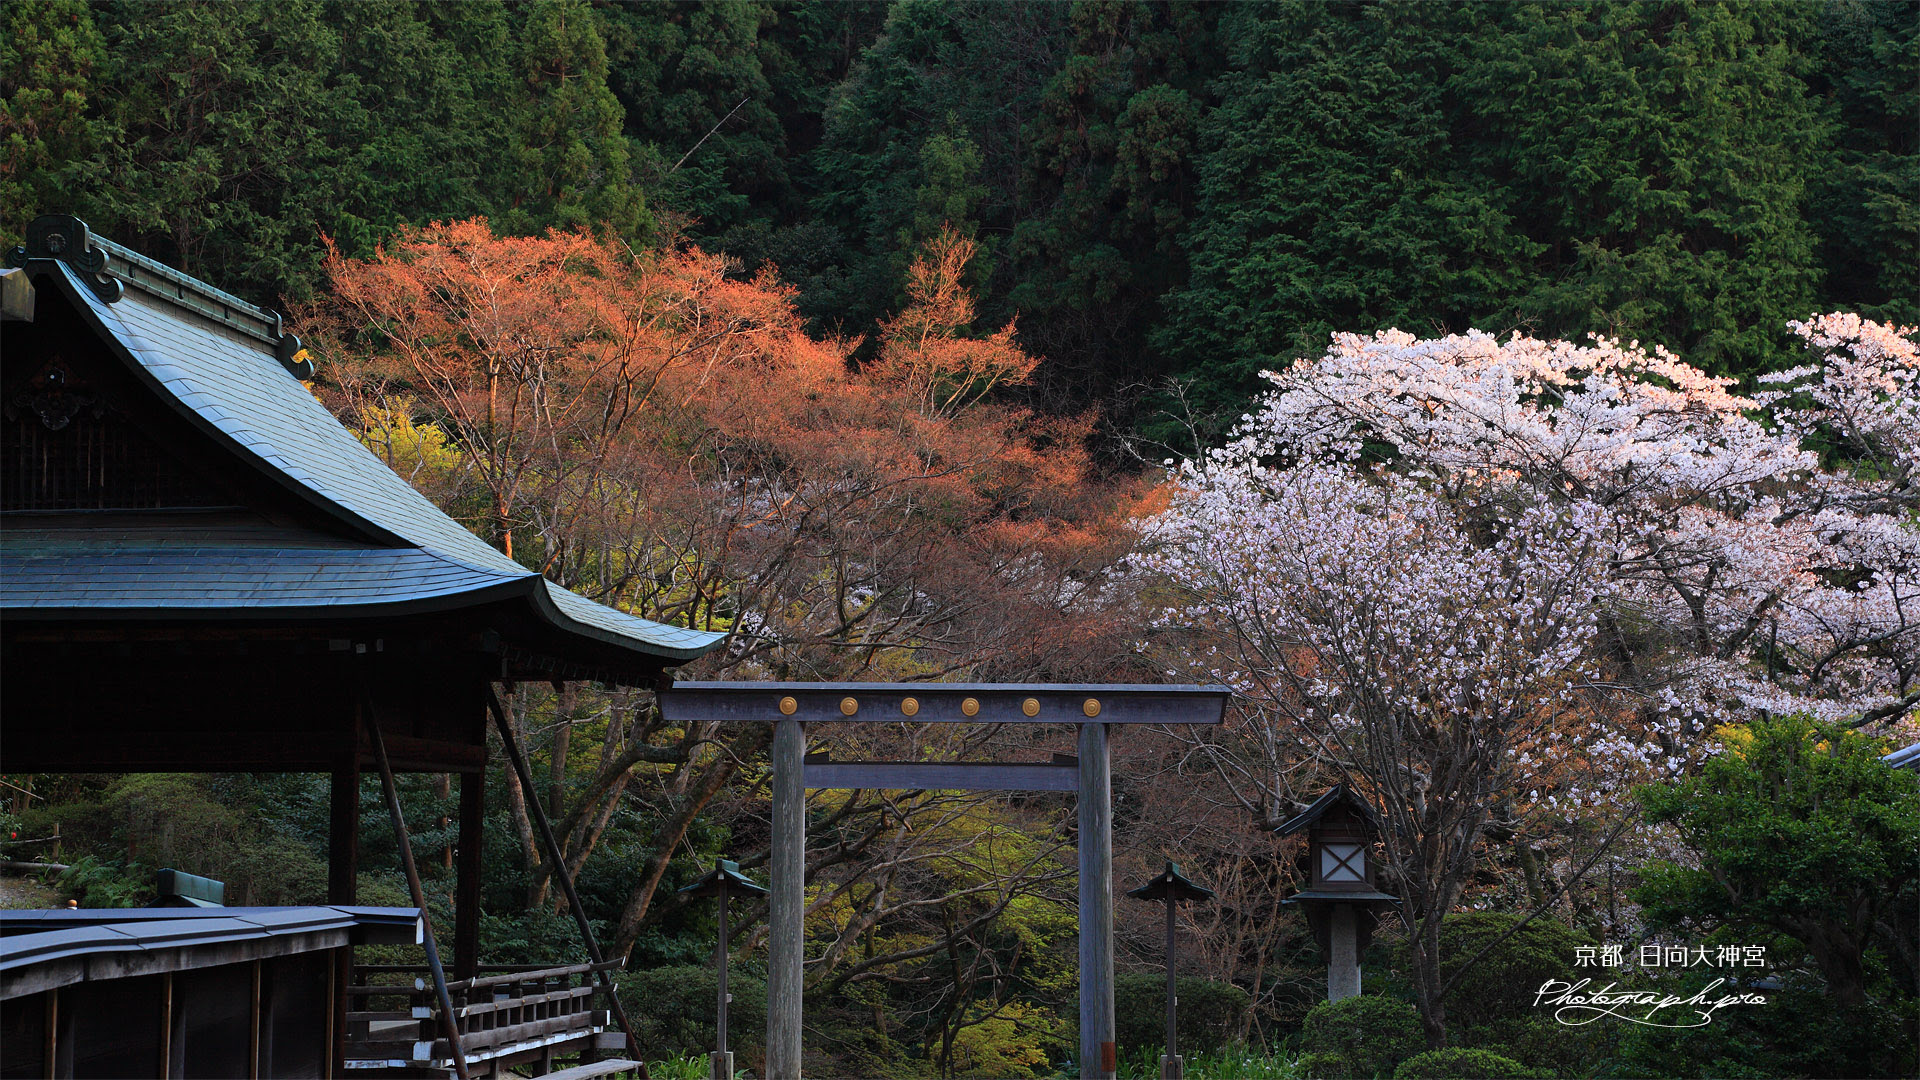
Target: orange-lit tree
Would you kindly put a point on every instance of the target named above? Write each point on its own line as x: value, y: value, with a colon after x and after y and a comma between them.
x: 650, y: 430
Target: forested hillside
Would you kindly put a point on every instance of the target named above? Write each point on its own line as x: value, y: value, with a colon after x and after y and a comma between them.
x: 1158, y: 190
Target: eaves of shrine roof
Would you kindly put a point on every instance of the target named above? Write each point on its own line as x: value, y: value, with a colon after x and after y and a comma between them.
x: 225, y: 366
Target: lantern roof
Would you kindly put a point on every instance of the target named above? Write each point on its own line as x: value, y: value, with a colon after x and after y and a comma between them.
x: 1172, y: 887
x: 725, y: 874
x: 1337, y: 796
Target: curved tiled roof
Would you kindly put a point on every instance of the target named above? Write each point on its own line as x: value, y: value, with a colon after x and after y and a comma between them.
x: 233, y: 386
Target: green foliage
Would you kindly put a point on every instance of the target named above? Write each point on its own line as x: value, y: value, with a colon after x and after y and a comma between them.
x: 50, y: 55
x: 1369, y: 1034
x: 1108, y: 187
x: 694, y: 81
x: 955, y: 73
x: 683, y: 1067
x: 1502, y: 983
x: 1800, y: 829
x: 673, y: 1008
x: 1332, y: 194
x: 1492, y: 1006
x: 1638, y: 170
x: 1798, y: 1032
x: 1323, y: 1065
x: 1233, y: 1062
x: 222, y: 116
x: 1804, y: 838
x: 1866, y: 201
x: 569, y: 156
x: 1663, y: 154
x: 1460, y: 1063
x: 1013, y: 1040
x: 98, y: 883
x: 1209, y: 1014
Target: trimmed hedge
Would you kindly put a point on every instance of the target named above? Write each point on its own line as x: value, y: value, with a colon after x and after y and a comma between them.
x: 1461, y: 1063
x: 1370, y: 1033
x: 1208, y: 1018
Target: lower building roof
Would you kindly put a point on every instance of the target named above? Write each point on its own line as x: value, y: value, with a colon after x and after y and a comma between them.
x: 44, y: 950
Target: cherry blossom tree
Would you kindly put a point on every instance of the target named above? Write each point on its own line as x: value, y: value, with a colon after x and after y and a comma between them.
x: 1485, y: 583
x: 1751, y: 574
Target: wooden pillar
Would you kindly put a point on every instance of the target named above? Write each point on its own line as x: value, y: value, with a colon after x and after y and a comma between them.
x: 343, y: 830
x: 466, y: 898
x: 343, y: 871
x: 786, y: 907
x: 1098, y: 1056
x: 1343, y: 953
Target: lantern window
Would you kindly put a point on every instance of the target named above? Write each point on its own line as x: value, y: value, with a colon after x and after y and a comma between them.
x: 1343, y: 862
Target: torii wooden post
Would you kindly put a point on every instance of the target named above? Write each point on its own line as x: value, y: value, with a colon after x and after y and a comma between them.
x: 790, y: 706
x: 1099, y: 1058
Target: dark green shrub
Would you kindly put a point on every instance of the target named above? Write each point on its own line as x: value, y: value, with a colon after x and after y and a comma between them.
x: 1500, y: 986
x: 672, y: 1009
x: 1461, y: 1063
x: 1801, y: 1031
x: 1209, y: 1014
x: 1371, y: 1033
x: 1540, y: 1044
x: 100, y: 884
x: 1324, y: 1066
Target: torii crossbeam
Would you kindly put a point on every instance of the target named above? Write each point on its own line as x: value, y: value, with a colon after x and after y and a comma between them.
x: 1091, y: 707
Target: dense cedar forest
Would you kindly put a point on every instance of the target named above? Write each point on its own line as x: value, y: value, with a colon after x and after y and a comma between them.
x: 1159, y: 191
x: 919, y: 340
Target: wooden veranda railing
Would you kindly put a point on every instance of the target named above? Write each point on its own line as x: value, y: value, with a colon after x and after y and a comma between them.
x: 392, y: 1020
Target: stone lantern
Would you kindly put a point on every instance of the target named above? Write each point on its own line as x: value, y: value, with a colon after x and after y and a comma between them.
x: 1341, y: 899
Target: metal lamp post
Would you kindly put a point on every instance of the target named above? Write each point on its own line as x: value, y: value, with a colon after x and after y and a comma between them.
x: 723, y: 881
x: 1171, y: 888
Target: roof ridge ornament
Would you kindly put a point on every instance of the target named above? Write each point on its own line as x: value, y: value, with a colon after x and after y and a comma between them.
x: 65, y: 238
x: 108, y: 268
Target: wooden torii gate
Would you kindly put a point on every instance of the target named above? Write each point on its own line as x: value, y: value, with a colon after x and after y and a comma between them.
x: 791, y: 706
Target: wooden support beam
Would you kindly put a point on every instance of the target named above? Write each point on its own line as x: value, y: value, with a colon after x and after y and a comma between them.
x: 554, y: 851
x: 392, y: 793
x: 1170, y: 1064
x: 343, y: 832
x: 957, y: 703
x: 944, y: 775
x: 786, y: 907
x: 1098, y: 1054
x: 343, y: 875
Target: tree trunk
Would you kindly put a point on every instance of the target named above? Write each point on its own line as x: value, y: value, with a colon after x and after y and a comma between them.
x: 557, y: 770
x: 522, y: 816
x: 1839, y: 963
x: 699, y: 795
x: 1426, y: 981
